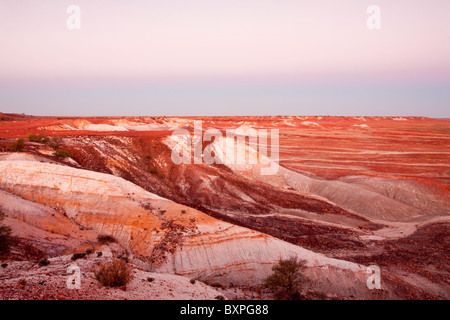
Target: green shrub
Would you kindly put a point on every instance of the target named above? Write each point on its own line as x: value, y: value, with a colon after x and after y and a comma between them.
x: 114, y: 274
x: 152, y: 170
x: 55, y: 142
x: 287, y: 279
x: 18, y: 146
x: 62, y: 153
x: 32, y: 137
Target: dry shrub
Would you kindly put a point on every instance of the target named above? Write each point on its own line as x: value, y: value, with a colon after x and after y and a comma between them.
x: 33, y: 137
x: 105, y: 239
x: 18, y: 145
x: 287, y: 279
x: 113, y: 274
x: 62, y: 153
x: 55, y: 142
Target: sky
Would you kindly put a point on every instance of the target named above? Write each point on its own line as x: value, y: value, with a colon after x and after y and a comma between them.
x: 233, y: 57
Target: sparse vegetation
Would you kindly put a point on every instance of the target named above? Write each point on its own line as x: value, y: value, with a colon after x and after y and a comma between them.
x: 43, y: 262
x: 61, y: 153
x: 152, y: 170
x: 18, y: 145
x: 105, y: 238
x: 55, y: 142
x: 78, y: 255
x: 172, y: 238
x: 40, y: 138
x: 287, y: 279
x: 5, y: 236
x: 114, y: 274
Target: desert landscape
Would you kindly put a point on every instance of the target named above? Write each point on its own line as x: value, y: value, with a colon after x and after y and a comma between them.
x: 348, y: 193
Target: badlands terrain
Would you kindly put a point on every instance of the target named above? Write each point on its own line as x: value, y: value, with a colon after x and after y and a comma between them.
x: 347, y: 193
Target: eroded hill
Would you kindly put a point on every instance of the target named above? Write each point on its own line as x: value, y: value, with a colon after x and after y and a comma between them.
x: 230, y: 223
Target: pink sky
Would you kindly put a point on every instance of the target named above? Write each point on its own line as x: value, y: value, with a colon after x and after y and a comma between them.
x: 145, y: 39
x: 225, y: 57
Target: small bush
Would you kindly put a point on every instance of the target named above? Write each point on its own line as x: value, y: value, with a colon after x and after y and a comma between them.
x: 150, y: 279
x: 62, y: 153
x: 43, y: 262
x: 114, y: 274
x: 5, y: 236
x: 287, y: 279
x: 77, y: 256
x: 55, y: 142
x: 32, y: 137
x: 105, y: 239
x: 152, y: 170
x: 192, y: 281
x: 18, y: 146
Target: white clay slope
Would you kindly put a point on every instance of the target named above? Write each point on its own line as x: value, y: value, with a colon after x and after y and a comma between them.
x: 373, y: 198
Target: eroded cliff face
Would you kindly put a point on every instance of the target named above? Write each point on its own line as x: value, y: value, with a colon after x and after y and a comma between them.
x: 159, y: 234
